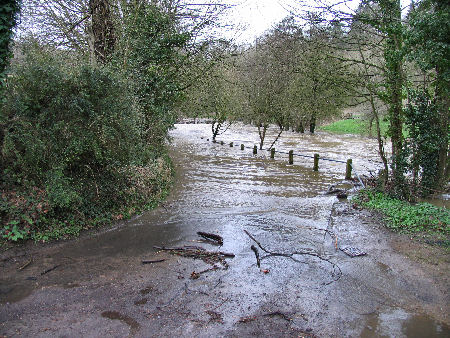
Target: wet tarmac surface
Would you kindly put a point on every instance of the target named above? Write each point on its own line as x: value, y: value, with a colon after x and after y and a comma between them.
x: 98, y: 286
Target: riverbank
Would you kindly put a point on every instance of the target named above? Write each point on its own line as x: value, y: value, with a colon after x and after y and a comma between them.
x: 30, y: 214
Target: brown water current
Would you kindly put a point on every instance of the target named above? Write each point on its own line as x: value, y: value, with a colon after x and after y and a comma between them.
x: 99, y: 286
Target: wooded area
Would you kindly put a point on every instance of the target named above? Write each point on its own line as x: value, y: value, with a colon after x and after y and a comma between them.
x: 390, y: 63
x: 90, y: 89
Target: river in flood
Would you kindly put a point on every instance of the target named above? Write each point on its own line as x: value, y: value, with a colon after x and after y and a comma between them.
x: 225, y: 190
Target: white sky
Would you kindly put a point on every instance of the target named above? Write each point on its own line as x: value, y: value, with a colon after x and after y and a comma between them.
x: 257, y: 16
x: 251, y: 18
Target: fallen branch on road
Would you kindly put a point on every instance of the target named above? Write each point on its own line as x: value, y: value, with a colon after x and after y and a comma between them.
x: 212, y: 237
x: 195, y: 252
x: 290, y: 255
x: 255, y: 250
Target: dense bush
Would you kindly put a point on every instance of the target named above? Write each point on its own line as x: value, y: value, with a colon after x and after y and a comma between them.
x: 72, y: 147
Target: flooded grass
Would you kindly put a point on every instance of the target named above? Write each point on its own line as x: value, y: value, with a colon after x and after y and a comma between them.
x: 405, y: 217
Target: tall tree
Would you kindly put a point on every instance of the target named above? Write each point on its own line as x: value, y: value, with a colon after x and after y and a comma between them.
x: 9, y: 10
x: 428, y: 44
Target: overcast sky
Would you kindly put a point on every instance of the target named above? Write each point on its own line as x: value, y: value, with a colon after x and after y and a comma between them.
x: 257, y: 16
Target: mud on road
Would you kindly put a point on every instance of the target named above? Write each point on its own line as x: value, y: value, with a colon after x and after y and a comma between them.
x: 97, y: 286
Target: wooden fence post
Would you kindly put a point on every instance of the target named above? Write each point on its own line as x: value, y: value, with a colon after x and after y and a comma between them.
x: 291, y: 157
x: 272, y: 153
x: 316, y: 162
x: 348, y: 170
x: 231, y: 144
x: 242, y: 147
x: 255, y: 150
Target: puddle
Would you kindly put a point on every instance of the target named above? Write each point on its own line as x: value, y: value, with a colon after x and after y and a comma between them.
x: 398, y: 323
x: 442, y: 201
x: 114, y: 315
x: 146, y: 291
x: 142, y: 301
x: 12, y: 293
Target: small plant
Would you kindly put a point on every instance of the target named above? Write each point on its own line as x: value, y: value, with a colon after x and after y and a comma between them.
x: 405, y: 217
x: 12, y: 232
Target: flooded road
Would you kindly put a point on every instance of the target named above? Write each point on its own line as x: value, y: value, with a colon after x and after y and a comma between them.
x: 99, y: 286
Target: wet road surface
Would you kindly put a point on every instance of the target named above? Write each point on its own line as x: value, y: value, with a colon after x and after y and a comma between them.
x: 99, y: 287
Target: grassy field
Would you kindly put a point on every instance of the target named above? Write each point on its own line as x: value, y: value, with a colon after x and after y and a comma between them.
x: 353, y: 126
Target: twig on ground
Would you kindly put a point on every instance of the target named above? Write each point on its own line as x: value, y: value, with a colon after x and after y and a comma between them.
x: 195, y: 275
x: 154, y: 261
x: 49, y: 270
x: 26, y: 264
x: 285, y: 316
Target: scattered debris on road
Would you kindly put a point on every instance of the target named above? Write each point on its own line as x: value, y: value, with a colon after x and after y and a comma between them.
x: 353, y: 252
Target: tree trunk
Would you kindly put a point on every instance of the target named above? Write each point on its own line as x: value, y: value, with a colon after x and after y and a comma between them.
x: 262, y: 134
x: 312, y: 124
x: 443, y: 106
x: 301, y: 128
x: 102, y: 29
x: 215, y: 129
x: 381, y: 151
x: 393, y: 54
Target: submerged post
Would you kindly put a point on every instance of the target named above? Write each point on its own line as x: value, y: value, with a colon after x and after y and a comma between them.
x: 221, y: 142
x: 316, y: 162
x: 272, y: 153
x: 255, y: 150
x: 242, y: 147
x: 348, y: 170
x: 291, y: 157
x: 231, y: 144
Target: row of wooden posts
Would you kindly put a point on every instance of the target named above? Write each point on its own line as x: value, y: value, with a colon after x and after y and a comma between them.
x: 348, y: 168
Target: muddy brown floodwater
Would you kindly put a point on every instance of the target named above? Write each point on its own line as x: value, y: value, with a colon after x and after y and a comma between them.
x: 96, y: 286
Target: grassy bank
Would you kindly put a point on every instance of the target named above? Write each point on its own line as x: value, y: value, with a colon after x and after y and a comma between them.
x: 408, y: 218
x: 353, y: 126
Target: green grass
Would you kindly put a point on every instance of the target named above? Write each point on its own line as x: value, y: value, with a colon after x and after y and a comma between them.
x: 404, y: 217
x: 354, y: 126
